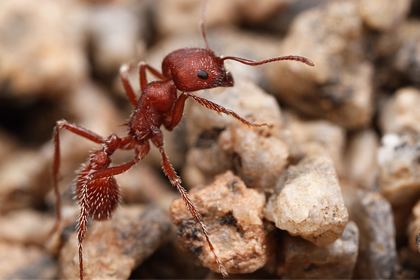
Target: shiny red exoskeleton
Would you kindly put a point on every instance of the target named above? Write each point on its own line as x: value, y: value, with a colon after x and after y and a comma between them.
x: 161, y: 103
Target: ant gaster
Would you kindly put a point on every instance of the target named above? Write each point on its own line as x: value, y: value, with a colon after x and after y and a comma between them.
x: 160, y: 103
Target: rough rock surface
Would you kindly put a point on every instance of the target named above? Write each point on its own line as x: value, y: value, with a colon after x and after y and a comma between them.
x: 414, y: 229
x: 236, y: 231
x: 383, y: 15
x: 399, y: 168
x: 112, y: 249
x: 304, y: 260
x: 362, y: 159
x: 400, y: 114
x: 46, y: 43
x: 309, y: 202
x: 25, y: 262
x: 339, y: 88
x: 377, y: 248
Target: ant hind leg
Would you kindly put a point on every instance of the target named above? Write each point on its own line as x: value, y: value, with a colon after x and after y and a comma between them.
x: 175, y: 180
x: 63, y: 124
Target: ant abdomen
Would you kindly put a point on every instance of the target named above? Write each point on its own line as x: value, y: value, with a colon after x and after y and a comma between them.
x: 103, y: 196
x: 100, y: 197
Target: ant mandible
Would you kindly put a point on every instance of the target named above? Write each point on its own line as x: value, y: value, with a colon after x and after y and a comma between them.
x: 185, y: 70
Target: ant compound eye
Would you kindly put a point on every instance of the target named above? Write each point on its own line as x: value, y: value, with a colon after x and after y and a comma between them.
x: 202, y: 74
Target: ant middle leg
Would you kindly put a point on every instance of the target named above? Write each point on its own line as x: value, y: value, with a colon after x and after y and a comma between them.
x: 222, y: 110
x: 175, y: 181
x: 83, y: 132
x: 142, y: 74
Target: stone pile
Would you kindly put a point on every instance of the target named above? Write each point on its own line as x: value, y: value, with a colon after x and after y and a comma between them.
x: 330, y: 189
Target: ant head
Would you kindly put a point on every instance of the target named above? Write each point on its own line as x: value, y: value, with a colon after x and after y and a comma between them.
x: 195, y: 69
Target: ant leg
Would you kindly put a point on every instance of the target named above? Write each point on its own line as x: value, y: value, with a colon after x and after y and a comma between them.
x: 124, y: 69
x: 157, y: 140
x: 56, y: 163
x: 176, y: 113
x: 141, y: 151
x: 222, y: 110
x: 142, y: 74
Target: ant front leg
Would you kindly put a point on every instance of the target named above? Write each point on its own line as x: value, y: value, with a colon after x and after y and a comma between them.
x: 222, y: 110
x: 56, y: 163
x: 176, y: 113
x: 157, y: 140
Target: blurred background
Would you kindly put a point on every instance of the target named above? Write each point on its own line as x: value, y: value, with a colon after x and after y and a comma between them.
x: 60, y: 59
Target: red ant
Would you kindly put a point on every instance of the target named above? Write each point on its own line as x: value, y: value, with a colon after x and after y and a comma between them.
x: 185, y: 70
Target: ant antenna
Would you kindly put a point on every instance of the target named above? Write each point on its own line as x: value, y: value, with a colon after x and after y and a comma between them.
x: 254, y: 63
x: 203, y: 23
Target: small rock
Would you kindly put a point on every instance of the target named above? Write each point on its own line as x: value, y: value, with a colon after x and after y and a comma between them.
x: 308, y: 202
x: 258, y: 158
x: 205, y: 129
x: 25, y: 262
x: 383, y: 15
x: 362, y: 159
x: 414, y: 229
x: 377, y: 249
x: 117, y: 34
x: 112, y: 249
x: 25, y: 227
x: 400, y: 114
x: 407, y: 57
x: 329, y: 136
x: 186, y: 14
x: 304, y: 260
x: 17, y: 191
x: 233, y: 216
x: 45, y: 38
x: 339, y: 87
x: 399, y: 168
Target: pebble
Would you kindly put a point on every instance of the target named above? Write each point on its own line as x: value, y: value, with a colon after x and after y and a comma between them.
x: 383, y: 15
x: 25, y: 227
x: 407, y: 56
x: 308, y: 202
x: 377, y: 243
x: 303, y: 260
x: 237, y: 231
x: 414, y: 229
x: 112, y: 249
x: 399, y: 168
x: 362, y: 159
x: 328, y: 135
x: 45, y: 39
x: 258, y: 158
x: 400, y: 113
x: 339, y: 87
x: 18, y: 261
